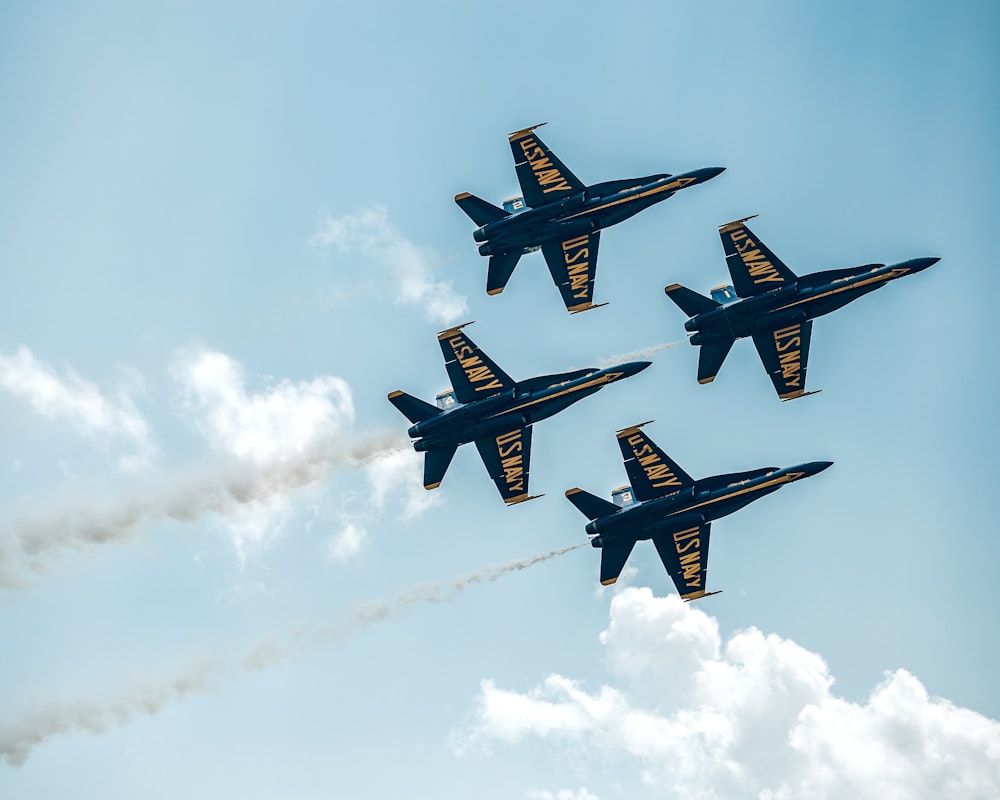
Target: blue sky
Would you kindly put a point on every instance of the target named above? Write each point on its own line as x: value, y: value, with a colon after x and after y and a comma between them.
x: 227, y: 231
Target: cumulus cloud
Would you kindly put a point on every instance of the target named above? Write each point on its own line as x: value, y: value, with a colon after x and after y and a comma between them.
x: 369, y: 232
x: 562, y: 794
x: 752, y: 717
x: 70, y: 398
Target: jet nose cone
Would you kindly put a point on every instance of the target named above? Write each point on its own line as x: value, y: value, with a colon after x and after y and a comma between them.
x: 815, y: 467
x: 632, y: 368
x: 708, y: 173
x: 917, y: 264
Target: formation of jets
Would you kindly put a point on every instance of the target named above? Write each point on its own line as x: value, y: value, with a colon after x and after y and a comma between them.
x: 767, y: 302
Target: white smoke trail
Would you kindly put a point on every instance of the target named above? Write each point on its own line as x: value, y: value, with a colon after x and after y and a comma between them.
x: 43, y: 721
x: 220, y: 489
x: 636, y: 355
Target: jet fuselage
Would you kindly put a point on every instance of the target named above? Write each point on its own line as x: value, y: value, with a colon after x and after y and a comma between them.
x: 708, y: 499
x: 809, y: 297
x: 597, y: 207
x: 526, y: 403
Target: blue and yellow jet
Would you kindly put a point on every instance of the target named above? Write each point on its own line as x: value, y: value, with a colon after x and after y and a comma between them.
x: 673, y: 510
x: 561, y: 215
x: 776, y: 309
x: 494, y: 411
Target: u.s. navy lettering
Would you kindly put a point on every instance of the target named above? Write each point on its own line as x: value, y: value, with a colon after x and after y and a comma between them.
x: 511, y: 447
x: 690, y: 562
x: 761, y: 270
x: 576, y: 255
x: 788, y: 343
x: 472, y: 365
x: 549, y: 178
x: 657, y: 472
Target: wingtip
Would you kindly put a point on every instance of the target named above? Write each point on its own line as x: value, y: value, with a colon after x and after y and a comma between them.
x: 396, y: 393
x: 631, y: 428
x: 609, y: 581
x: 703, y: 381
x: 453, y: 329
x: 524, y: 131
x: 672, y: 288
x: 429, y: 486
x: 735, y: 223
x: 462, y: 196
x: 574, y: 490
x: 493, y: 292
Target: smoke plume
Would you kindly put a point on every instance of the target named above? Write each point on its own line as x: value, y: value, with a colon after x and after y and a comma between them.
x: 636, y: 355
x: 19, y: 737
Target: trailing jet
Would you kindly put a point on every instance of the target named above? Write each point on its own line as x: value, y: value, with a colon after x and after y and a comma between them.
x: 776, y: 309
x: 672, y: 509
x: 494, y: 411
x: 562, y: 215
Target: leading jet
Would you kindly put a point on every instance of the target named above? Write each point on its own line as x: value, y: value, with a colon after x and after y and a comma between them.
x: 673, y: 510
x: 776, y: 309
x: 562, y: 215
x: 494, y: 411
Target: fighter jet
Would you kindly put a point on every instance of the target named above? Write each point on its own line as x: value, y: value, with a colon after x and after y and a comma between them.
x: 777, y: 308
x: 494, y: 411
x: 673, y: 510
x: 562, y: 215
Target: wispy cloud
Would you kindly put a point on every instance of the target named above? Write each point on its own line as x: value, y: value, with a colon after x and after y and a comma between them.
x: 754, y: 716
x: 268, y: 446
x: 21, y: 734
x: 71, y: 399
x: 369, y: 232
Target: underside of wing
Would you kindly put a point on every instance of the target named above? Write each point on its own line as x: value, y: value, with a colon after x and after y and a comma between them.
x: 613, y: 558
x: 784, y: 353
x: 543, y: 177
x: 685, y: 556
x: 506, y: 457
x: 472, y: 373
x: 651, y: 472
x: 573, y: 266
x: 753, y: 267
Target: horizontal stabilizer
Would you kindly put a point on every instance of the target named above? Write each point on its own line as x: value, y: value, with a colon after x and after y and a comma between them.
x: 710, y: 359
x: 690, y: 302
x: 500, y: 269
x: 613, y: 560
x: 436, y: 465
x: 478, y: 210
x: 413, y: 408
x: 591, y: 506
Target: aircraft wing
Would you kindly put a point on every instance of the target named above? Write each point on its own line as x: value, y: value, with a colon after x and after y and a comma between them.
x: 613, y: 560
x: 753, y: 267
x: 506, y: 457
x: 651, y: 472
x: 472, y: 373
x: 685, y: 556
x: 785, y: 352
x: 573, y: 265
x: 543, y: 177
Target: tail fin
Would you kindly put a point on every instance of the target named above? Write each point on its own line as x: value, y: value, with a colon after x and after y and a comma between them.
x: 592, y: 506
x: 478, y: 210
x: 499, y: 272
x: 691, y: 303
x: 436, y: 465
x: 710, y: 360
x: 413, y: 408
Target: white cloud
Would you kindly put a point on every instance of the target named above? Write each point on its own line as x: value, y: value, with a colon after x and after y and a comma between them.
x: 72, y: 399
x: 370, y: 233
x: 398, y: 476
x: 754, y: 717
x: 347, y: 542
